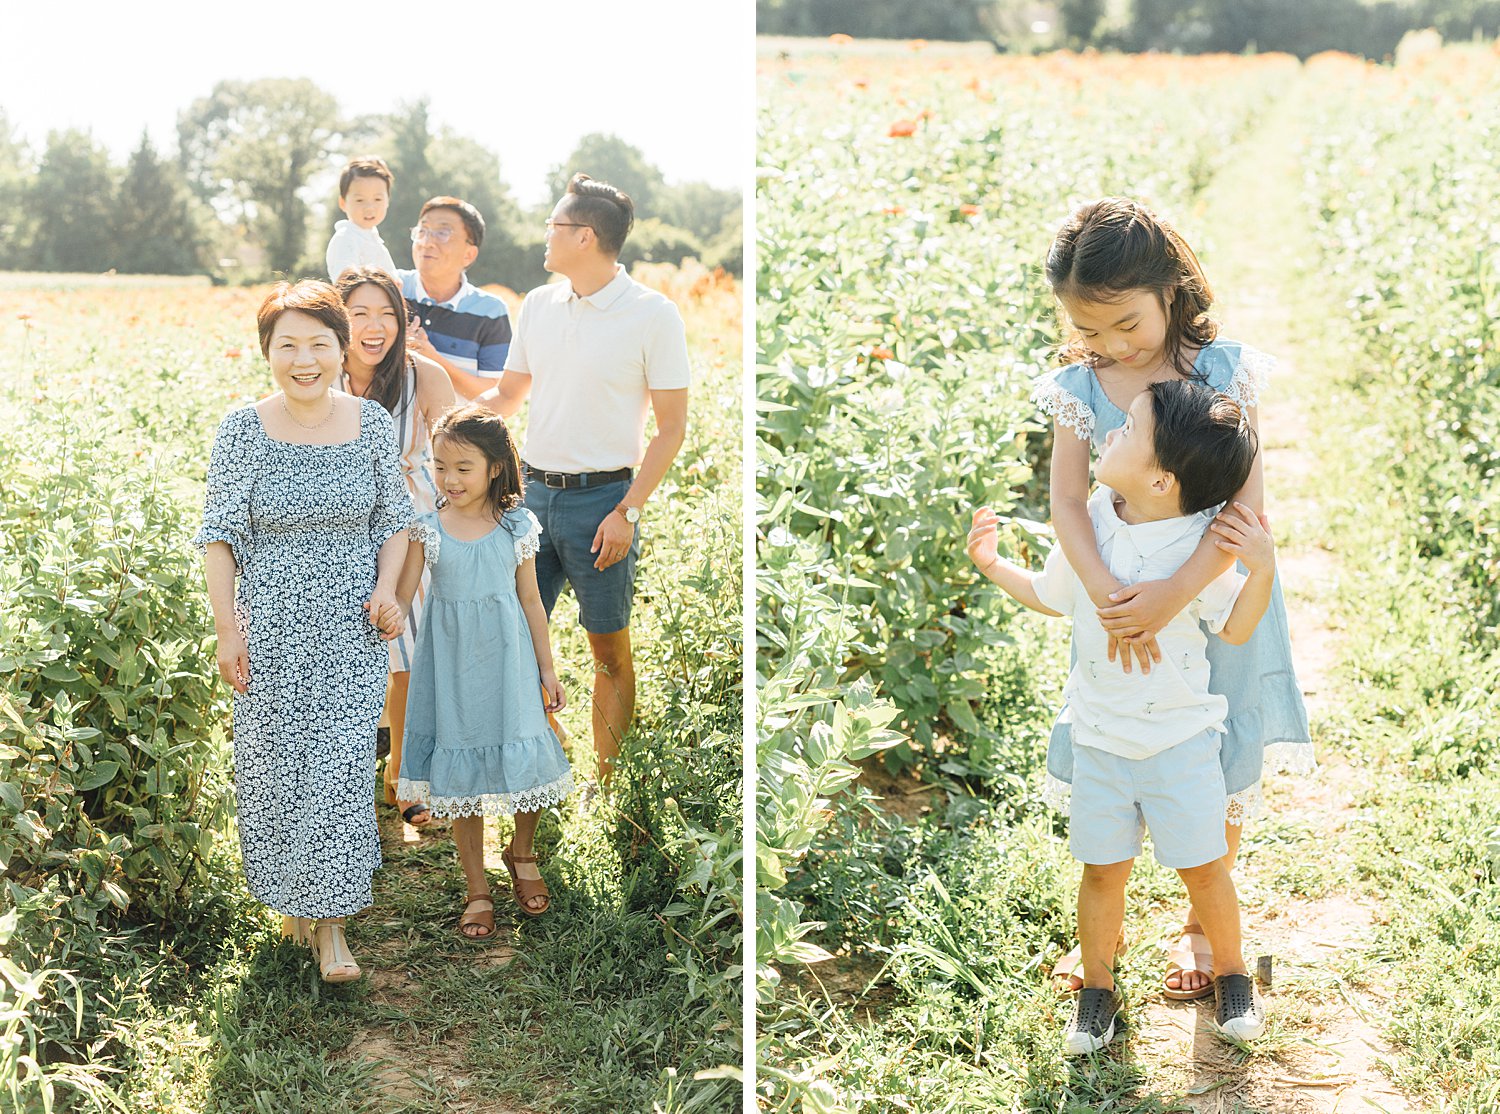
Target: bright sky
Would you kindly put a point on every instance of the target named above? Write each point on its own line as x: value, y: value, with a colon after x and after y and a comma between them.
x: 527, y: 78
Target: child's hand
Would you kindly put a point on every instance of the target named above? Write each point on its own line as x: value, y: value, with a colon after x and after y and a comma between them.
x: 984, y: 538
x: 1246, y: 535
x: 553, y: 697
x: 385, y: 614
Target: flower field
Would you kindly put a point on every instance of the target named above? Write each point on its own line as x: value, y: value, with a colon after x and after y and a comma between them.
x: 138, y: 975
x: 913, y: 888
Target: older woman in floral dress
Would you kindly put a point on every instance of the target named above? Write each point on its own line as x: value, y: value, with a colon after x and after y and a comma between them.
x: 304, y: 526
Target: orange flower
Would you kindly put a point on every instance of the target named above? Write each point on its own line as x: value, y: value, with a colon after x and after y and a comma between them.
x: 879, y: 353
x: 893, y: 210
x: 969, y: 210
x: 840, y: 39
x: 903, y: 128
x: 232, y: 353
x: 23, y: 316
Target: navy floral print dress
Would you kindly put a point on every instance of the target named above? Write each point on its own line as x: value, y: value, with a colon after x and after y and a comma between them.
x: 305, y: 523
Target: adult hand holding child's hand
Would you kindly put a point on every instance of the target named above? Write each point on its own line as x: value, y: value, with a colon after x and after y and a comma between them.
x: 1247, y: 535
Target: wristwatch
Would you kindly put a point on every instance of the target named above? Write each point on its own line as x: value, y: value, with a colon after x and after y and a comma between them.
x: 632, y: 514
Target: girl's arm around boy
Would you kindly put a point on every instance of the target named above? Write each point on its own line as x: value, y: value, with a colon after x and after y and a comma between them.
x: 1245, y: 535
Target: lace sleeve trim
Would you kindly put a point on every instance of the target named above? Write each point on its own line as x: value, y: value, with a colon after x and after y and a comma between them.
x: 529, y: 543
x: 1249, y: 378
x: 1066, y: 408
x: 430, y: 538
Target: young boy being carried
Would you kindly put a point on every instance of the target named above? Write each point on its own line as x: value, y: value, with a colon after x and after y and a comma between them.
x: 1146, y: 747
x: 364, y: 196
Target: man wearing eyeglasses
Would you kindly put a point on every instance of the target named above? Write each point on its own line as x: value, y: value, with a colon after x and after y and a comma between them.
x: 463, y: 328
x: 595, y: 354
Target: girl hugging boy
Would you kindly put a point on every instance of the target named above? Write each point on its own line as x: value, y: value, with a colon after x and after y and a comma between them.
x: 1146, y: 747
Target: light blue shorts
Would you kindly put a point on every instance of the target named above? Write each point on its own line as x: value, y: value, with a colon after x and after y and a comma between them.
x: 1178, y: 795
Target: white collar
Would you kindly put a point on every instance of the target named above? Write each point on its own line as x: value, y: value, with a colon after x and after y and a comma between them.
x: 605, y: 296
x: 1147, y: 537
x: 464, y: 286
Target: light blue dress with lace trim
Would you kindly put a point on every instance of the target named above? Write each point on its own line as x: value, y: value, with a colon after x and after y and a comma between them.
x: 477, y: 738
x: 1267, y: 722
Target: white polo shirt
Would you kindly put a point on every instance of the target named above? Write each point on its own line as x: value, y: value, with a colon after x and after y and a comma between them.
x: 594, y: 362
x: 1136, y: 715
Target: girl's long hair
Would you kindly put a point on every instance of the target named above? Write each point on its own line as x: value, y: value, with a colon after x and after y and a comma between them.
x: 486, y: 431
x: 1113, y: 246
x: 388, y: 384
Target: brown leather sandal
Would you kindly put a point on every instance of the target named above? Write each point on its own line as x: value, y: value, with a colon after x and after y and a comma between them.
x: 1189, y: 952
x: 526, y: 890
x: 480, y: 918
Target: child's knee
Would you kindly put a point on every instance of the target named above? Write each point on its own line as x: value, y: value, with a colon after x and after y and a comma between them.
x: 1210, y: 873
x: 1107, y: 874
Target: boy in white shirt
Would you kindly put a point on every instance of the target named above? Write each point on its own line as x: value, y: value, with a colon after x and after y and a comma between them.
x: 1146, y: 746
x: 364, y: 196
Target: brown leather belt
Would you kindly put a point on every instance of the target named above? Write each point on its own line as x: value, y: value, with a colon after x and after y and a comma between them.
x: 575, y: 479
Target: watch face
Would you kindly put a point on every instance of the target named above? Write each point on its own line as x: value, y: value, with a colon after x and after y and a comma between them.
x: 632, y: 515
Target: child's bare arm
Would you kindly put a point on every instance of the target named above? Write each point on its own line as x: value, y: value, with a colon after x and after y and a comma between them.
x: 983, y: 551
x: 541, y: 638
x: 1070, y: 514
x: 1244, y: 535
x: 411, y: 573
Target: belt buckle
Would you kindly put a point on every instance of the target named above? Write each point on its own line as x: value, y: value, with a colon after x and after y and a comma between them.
x: 562, y: 479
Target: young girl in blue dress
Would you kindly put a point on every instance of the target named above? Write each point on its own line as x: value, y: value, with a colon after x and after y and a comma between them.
x: 477, y: 738
x: 1138, y: 303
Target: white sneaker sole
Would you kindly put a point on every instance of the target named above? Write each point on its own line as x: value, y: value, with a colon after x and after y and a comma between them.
x: 1241, y: 1028
x: 1081, y: 1044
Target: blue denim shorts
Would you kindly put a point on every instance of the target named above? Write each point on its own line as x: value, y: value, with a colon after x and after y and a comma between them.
x: 570, y: 518
x: 1176, y: 795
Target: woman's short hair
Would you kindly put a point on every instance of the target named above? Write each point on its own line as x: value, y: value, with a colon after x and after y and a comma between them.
x: 314, y: 298
x: 604, y: 208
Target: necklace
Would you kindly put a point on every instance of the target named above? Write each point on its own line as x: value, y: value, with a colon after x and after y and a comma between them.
x: 332, y: 406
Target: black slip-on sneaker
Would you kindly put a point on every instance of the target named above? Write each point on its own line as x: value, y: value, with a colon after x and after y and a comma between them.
x: 1093, y: 1024
x: 1239, y: 1015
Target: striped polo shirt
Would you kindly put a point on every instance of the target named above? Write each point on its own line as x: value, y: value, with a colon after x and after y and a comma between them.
x: 471, y: 329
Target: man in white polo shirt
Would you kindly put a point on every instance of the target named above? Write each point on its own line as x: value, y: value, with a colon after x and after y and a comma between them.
x: 594, y: 353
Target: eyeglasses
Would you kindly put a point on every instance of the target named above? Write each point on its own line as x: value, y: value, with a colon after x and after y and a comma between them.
x: 436, y: 235
x: 565, y: 224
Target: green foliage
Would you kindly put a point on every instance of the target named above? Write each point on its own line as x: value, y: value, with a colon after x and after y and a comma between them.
x: 651, y: 241
x: 70, y: 205
x: 15, y: 168
x: 252, y: 145
x: 157, y: 226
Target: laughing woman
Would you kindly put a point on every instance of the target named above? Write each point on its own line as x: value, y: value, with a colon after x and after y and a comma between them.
x: 307, y: 508
x: 415, y: 392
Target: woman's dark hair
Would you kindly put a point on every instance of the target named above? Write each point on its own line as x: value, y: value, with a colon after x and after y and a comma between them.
x: 1113, y: 246
x: 1204, y: 439
x: 314, y: 298
x: 388, y: 384
x: 604, y: 208
x: 486, y: 431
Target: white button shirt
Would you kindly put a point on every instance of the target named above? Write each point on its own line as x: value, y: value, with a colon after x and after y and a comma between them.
x: 353, y: 246
x: 1136, y: 715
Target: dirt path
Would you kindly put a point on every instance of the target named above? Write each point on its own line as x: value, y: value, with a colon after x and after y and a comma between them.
x: 1322, y: 1053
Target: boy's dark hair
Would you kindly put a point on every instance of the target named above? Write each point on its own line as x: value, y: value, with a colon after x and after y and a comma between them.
x: 366, y: 166
x: 1204, y: 439
x: 604, y: 208
x: 314, y: 298
x: 473, y: 222
x: 486, y: 431
x: 1113, y: 246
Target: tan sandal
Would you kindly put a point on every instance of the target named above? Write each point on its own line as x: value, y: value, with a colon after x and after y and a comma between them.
x: 335, y: 963
x: 481, y: 918
x: 526, y: 890
x: 1190, y: 952
x: 1070, y: 966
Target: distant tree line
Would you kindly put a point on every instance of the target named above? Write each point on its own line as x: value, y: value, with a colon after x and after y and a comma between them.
x: 1371, y: 28
x: 251, y: 192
